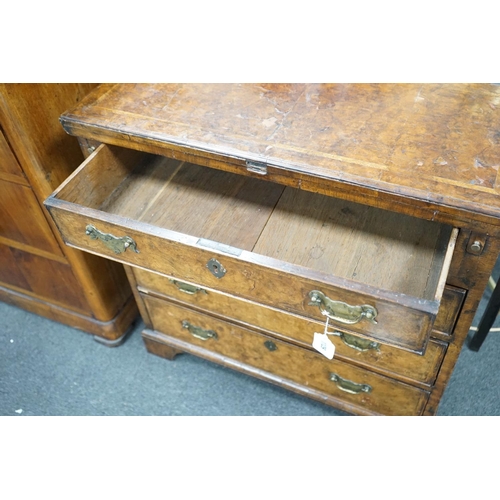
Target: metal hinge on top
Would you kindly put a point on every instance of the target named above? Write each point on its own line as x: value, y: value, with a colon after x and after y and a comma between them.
x: 256, y: 168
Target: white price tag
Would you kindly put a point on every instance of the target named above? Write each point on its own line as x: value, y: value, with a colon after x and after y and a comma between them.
x: 323, y: 345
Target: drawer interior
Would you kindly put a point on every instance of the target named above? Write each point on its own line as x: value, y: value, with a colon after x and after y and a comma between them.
x: 386, y: 250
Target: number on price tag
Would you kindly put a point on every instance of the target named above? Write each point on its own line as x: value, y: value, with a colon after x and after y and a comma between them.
x: 323, y: 345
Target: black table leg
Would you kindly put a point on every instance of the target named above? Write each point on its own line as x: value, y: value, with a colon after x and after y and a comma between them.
x: 489, y: 316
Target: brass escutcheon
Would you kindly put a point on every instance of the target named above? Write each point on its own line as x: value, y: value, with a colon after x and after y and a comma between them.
x: 340, y: 311
x: 114, y: 243
x: 216, y: 268
x: 270, y: 345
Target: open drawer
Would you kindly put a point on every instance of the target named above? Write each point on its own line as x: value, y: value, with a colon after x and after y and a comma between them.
x: 378, y: 273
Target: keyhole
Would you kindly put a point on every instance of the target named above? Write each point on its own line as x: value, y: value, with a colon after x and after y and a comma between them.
x: 216, y: 268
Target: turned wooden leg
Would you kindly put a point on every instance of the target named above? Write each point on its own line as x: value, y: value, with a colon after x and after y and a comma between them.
x: 159, y: 348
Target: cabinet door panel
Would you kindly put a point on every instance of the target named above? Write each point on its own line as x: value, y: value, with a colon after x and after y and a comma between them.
x: 22, y: 219
x: 10, y: 273
x: 9, y: 167
x: 39, y: 277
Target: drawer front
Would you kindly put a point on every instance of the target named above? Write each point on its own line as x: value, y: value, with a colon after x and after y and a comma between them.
x: 451, y: 304
x: 195, y: 294
x: 246, y: 275
x: 378, y: 357
x: 158, y: 214
x: 339, y: 383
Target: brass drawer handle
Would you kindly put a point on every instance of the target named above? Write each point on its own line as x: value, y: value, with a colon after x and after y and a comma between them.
x: 348, y: 385
x: 356, y: 343
x: 118, y: 245
x: 340, y: 311
x: 198, y: 332
x: 186, y: 287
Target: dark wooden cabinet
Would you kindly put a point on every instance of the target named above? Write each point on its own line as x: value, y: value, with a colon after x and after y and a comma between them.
x: 37, y: 271
x: 252, y: 218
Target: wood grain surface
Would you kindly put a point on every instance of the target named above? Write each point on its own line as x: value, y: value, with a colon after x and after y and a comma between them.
x: 381, y: 358
x: 438, y: 144
x: 238, y: 208
x: 37, y: 271
x: 245, y: 349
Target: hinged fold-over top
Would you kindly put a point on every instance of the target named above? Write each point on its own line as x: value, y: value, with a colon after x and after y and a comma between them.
x: 437, y: 144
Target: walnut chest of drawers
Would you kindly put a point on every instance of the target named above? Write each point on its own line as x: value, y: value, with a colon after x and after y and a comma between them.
x: 253, y: 218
